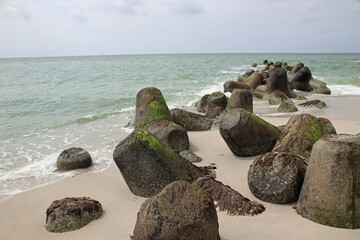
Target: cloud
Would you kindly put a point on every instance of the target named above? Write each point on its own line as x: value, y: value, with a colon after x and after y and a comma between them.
x: 78, y: 16
x: 188, y: 8
x: 10, y: 9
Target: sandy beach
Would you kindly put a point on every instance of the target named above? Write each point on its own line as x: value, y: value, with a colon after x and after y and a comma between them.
x: 23, y: 216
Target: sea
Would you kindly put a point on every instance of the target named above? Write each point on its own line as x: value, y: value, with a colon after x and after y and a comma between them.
x: 50, y: 104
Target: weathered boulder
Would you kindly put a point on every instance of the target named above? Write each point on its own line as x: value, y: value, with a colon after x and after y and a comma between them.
x: 315, y: 83
x: 214, y: 112
x: 287, y: 107
x: 261, y: 89
x: 181, y: 211
x: 73, y: 158
x: 170, y: 133
x: 314, y: 103
x: 241, y: 99
x: 301, y: 79
x: 242, y: 78
x: 327, y: 126
x: 249, y: 72
x: 297, y: 67
x: 201, y: 106
x: 190, y: 156
x: 323, y: 89
x: 278, y: 64
x: 191, y: 121
x: 277, y: 97
x: 246, y: 134
x: 255, y: 80
x: 216, y: 99
x: 277, y: 177
x: 229, y: 86
x: 258, y: 94
x: 265, y: 62
x: 150, y: 106
x: 331, y: 189
x: 254, y: 65
x: 148, y: 165
x: 70, y: 214
x: 299, y: 135
x: 278, y: 81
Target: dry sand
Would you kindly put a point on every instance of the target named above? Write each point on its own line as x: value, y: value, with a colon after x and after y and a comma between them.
x: 23, y: 216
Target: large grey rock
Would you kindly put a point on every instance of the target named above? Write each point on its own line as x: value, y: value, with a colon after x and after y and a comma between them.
x: 277, y: 97
x: 301, y: 79
x: 277, y: 177
x: 331, y: 189
x: 278, y: 81
x: 241, y: 99
x: 255, y: 80
x: 229, y: 86
x: 201, y: 107
x: 70, y: 214
x: 181, y: 211
x: 246, y: 134
x: 191, y: 121
x: 150, y: 107
x: 170, y: 133
x: 73, y: 158
x: 216, y: 99
x: 300, y: 134
x: 148, y: 165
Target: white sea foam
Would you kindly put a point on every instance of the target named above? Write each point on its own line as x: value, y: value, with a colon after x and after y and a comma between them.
x: 339, y: 90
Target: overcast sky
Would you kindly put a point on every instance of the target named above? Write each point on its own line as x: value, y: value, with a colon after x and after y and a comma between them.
x: 110, y: 27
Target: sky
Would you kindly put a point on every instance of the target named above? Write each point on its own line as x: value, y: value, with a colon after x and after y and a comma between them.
x: 33, y: 28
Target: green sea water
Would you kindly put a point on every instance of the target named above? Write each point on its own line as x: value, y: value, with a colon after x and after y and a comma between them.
x: 50, y: 104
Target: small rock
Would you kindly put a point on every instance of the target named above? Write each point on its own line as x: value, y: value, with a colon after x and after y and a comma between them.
x: 190, y: 156
x: 73, y: 158
x: 314, y: 103
x: 287, y: 107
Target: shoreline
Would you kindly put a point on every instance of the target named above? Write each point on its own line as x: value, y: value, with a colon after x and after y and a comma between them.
x: 23, y: 215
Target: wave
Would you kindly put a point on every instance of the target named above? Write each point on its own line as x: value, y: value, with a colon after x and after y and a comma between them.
x: 339, y: 90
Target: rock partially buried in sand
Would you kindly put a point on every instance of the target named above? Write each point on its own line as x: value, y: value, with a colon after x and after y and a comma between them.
x: 181, y: 211
x: 148, y: 165
x: 314, y: 103
x: 70, y: 214
x: 331, y: 189
x: 287, y: 107
x: 73, y: 158
x: 277, y: 177
x: 246, y: 134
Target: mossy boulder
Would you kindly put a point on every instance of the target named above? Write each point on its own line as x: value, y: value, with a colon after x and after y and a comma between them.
x: 229, y: 86
x: 170, y: 133
x: 148, y: 165
x: 323, y: 89
x: 331, y: 189
x: 300, y: 134
x: 241, y: 99
x: 150, y: 107
x: 73, y: 158
x: 70, y: 214
x: 191, y: 121
x: 246, y: 134
x: 181, y: 211
x: 277, y: 177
